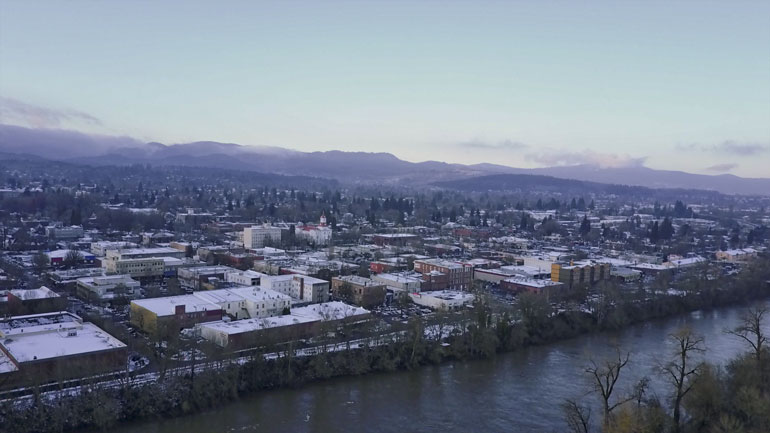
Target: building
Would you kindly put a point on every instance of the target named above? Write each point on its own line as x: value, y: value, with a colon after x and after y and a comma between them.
x: 157, y: 238
x: 443, y: 300
x: 248, y: 302
x: 584, y: 272
x: 737, y: 256
x: 172, y: 313
x: 141, y: 253
x: 149, y: 267
x: 31, y: 301
x: 309, y: 289
x: 302, y: 322
x: 394, y: 239
x: 361, y: 291
x: 100, y: 248
x: 459, y: 276
x: 525, y: 284
x: 202, y: 277
x: 279, y: 283
x: 316, y: 235
x: 244, y: 278
x: 103, y: 288
x: 59, y: 232
x: 261, y: 236
x: 408, y: 282
x: 57, y: 345
x: 58, y: 257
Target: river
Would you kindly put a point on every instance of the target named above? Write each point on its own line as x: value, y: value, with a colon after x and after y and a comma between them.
x: 515, y: 392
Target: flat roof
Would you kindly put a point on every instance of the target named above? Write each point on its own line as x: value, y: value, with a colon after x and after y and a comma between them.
x: 531, y: 282
x: 326, y: 311
x: 45, y: 336
x: 166, y: 306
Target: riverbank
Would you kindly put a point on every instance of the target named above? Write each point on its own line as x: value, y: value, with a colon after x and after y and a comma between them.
x: 486, y: 336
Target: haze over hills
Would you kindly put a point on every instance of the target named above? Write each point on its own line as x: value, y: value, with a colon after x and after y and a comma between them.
x: 362, y: 167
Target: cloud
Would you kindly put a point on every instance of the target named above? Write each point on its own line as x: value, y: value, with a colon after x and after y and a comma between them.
x: 486, y: 145
x: 554, y: 157
x: 729, y: 147
x: 722, y: 168
x: 15, y: 111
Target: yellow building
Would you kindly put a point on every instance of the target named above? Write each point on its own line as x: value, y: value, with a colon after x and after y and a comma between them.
x: 584, y: 272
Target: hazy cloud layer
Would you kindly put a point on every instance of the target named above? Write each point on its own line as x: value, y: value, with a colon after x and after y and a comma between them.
x: 487, y: 145
x: 722, y: 168
x: 15, y: 111
x: 554, y: 157
x: 729, y: 147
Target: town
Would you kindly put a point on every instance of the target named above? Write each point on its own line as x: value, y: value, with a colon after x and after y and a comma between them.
x: 141, y: 278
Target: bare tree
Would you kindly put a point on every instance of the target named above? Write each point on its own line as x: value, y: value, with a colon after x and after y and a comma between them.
x: 683, y: 371
x: 605, y: 376
x: 578, y: 417
x: 750, y: 330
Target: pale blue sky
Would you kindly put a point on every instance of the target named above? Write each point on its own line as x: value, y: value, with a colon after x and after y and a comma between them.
x: 677, y: 85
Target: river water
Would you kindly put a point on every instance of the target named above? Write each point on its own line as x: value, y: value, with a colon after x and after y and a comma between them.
x: 515, y: 392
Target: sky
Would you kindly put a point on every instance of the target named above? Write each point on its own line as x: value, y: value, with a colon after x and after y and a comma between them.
x: 679, y: 85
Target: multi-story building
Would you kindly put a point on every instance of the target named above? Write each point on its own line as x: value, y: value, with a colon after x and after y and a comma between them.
x: 141, y: 253
x: 244, y: 278
x: 197, y: 277
x: 361, y: 291
x: 408, y: 282
x: 172, y: 313
x: 104, y: 288
x: 309, y: 289
x: 150, y: 267
x: 64, y: 232
x: 584, y: 272
x: 248, y: 302
x: 315, y: 234
x: 260, y: 236
x: 187, y: 310
x: 459, y: 275
x: 279, y: 283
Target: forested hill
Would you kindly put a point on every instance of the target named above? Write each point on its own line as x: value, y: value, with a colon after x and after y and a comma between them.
x: 546, y: 184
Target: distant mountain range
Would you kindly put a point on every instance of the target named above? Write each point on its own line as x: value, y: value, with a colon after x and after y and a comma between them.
x: 358, y: 167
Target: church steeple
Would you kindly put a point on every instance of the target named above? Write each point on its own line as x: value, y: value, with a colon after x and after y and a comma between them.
x: 323, y: 218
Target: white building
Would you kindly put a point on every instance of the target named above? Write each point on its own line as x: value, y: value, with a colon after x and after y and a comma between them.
x: 104, y: 287
x: 245, y: 278
x: 445, y: 300
x: 247, y: 302
x: 242, y: 333
x: 309, y: 289
x: 279, y: 283
x: 259, y: 236
x: 405, y: 282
